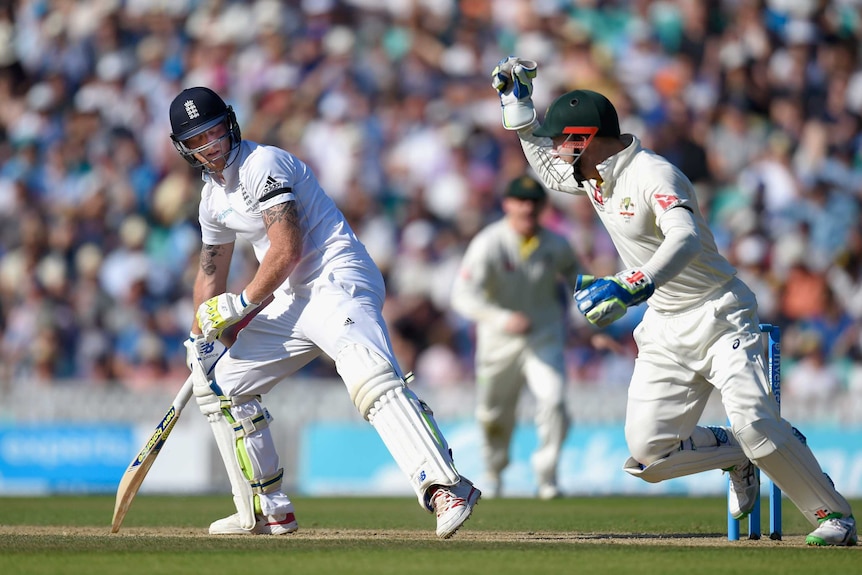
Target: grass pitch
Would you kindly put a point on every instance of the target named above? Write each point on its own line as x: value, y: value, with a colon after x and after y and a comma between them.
x: 167, y: 535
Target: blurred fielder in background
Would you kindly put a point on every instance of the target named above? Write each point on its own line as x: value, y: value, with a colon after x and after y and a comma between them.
x: 328, y: 297
x: 514, y: 283
x: 701, y: 328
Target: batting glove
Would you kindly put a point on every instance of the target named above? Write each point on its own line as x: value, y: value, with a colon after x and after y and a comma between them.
x: 222, y: 311
x: 605, y: 300
x: 205, y: 353
x: 513, y: 80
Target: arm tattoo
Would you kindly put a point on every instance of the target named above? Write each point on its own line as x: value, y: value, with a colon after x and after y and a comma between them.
x: 285, y: 212
x: 208, y: 255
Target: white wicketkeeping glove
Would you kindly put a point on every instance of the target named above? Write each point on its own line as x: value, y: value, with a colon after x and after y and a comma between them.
x: 222, y: 311
x: 206, y: 353
x: 513, y: 80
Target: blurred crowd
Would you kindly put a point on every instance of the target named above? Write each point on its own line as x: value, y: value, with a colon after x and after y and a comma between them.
x: 758, y: 102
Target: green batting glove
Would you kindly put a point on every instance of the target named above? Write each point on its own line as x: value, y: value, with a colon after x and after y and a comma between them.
x: 222, y: 311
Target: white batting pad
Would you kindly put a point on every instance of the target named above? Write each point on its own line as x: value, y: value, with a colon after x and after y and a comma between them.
x: 402, y: 420
x: 408, y: 429
x: 226, y: 440
x: 366, y: 374
x: 789, y: 462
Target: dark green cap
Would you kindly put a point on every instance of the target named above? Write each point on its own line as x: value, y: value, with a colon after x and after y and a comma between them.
x: 581, y: 109
x: 525, y: 188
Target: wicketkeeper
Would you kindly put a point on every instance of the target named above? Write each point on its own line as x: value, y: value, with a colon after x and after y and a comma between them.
x: 700, y: 330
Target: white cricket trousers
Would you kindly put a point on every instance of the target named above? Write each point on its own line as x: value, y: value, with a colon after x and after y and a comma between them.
x: 343, y: 309
x: 718, y: 344
x: 539, y: 364
x: 682, y: 357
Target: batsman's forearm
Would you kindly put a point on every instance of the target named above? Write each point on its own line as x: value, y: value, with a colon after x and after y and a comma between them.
x: 284, y: 231
x: 211, y: 279
x: 273, y: 271
x: 206, y: 286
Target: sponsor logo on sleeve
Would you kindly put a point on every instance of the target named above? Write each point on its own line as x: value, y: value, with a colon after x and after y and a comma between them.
x: 271, y: 185
x: 222, y: 215
x: 667, y: 201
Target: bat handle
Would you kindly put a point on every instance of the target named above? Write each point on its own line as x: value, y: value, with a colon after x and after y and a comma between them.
x: 227, y: 338
x: 184, y: 394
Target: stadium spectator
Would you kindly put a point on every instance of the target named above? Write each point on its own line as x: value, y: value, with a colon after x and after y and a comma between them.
x: 771, y: 91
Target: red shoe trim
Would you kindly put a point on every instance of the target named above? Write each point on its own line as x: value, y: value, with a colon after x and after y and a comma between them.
x: 290, y: 518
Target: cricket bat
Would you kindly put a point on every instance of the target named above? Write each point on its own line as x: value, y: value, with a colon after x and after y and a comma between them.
x: 137, y: 470
x: 140, y: 465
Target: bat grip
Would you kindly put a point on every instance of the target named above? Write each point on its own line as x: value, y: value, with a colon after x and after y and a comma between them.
x: 184, y: 394
x: 227, y: 338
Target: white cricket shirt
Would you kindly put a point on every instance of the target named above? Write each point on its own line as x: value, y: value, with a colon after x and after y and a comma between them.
x: 638, y: 187
x: 265, y: 176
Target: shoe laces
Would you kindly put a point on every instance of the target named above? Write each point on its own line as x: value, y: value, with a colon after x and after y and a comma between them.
x: 742, y: 476
x: 833, y: 519
x: 444, y: 500
x: 837, y: 522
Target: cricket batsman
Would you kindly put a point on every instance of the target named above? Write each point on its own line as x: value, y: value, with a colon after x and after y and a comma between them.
x: 327, y: 299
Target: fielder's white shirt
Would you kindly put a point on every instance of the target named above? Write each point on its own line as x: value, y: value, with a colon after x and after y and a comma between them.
x: 638, y: 188
x: 501, y: 273
x: 265, y: 176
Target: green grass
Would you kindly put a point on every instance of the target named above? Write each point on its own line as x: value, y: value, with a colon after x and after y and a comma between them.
x: 655, y: 535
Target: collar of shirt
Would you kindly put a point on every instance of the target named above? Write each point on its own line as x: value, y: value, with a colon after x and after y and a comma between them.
x: 525, y: 246
x: 528, y: 246
x: 611, y: 168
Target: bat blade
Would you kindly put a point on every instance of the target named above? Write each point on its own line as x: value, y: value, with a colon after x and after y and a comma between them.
x: 140, y: 465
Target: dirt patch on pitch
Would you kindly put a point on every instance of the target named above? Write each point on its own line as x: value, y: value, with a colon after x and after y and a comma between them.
x: 538, y: 537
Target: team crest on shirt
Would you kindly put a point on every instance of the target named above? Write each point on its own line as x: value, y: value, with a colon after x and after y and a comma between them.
x: 627, y: 209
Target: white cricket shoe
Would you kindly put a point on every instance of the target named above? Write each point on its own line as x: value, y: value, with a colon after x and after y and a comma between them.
x: 549, y: 491
x: 266, y: 525
x: 453, y: 505
x: 834, y: 531
x: 743, y: 489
